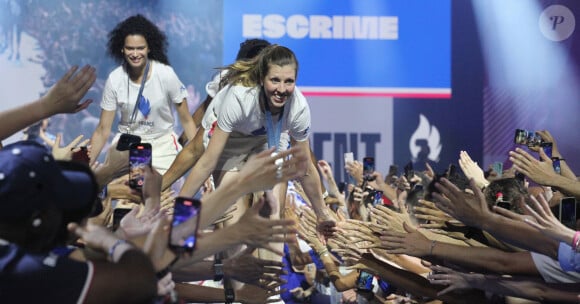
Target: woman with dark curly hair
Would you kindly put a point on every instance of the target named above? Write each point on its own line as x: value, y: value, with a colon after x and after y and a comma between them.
x: 141, y: 48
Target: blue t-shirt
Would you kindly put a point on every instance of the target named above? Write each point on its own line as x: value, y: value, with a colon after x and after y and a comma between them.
x: 37, y: 278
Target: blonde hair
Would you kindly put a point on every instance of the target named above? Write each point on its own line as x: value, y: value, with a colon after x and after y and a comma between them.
x: 250, y: 72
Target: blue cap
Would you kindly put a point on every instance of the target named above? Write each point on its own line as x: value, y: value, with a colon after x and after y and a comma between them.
x: 31, y: 180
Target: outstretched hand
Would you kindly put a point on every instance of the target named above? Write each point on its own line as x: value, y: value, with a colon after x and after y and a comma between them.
x: 261, y: 172
x: 246, y: 268
x: 546, y: 222
x: 258, y: 232
x: 471, y: 209
x: 65, y: 95
x: 65, y: 153
x: 472, y: 170
x: 541, y: 172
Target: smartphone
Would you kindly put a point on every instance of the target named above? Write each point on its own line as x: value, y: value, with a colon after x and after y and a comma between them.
x: 505, y: 205
x: 184, y: 225
x: 349, y: 157
x: 126, y: 140
x: 364, y: 281
x: 409, y: 172
x: 528, y: 138
x: 378, y: 198
x: 567, y: 212
x: 81, y: 156
x: 368, y: 168
x: 498, y: 168
x: 139, y: 158
x: 393, y: 170
x: 118, y: 215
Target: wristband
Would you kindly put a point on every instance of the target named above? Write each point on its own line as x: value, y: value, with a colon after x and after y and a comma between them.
x: 229, y: 292
x: 576, y: 241
x: 558, y: 158
x: 104, y: 193
x: 218, y: 268
x: 112, y: 249
x: 432, y: 246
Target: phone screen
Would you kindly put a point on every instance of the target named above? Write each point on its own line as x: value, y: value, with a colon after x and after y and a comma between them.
x: 184, y: 224
x: 498, y: 168
x: 139, y: 158
x: 364, y: 281
x: 368, y: 167
x: 349, y: 157
x: 378, y: 199
x: 505, y: 205
x: 82, y: 155
x: 118, y: 215
x: 409, y: 172
x: 568, y: 212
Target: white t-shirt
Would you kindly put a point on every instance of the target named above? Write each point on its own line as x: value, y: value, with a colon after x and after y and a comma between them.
x: 161, y: 90
x: 551, y: 271
x: 237, y: 109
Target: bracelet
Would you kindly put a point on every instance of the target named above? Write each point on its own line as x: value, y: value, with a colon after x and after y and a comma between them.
x: 576, y: 241
x: 557, y: 158
x: 432, y: 246
x: 112, y: 249
x: 218, y: 268
x: 104, y: 193
x: 230, y: 295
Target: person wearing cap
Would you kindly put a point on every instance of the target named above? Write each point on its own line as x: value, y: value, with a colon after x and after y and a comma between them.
x: 38, y: 198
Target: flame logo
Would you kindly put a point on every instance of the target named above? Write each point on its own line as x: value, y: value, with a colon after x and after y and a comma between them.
x: 428, y: 134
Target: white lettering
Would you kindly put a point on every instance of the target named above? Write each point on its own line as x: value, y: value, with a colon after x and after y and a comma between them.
x: 274, y: 26
x: 252, y: 26
x: 297, y: 26
x: 389, y: 28
x: 338, y: 29
x: 321, y: 27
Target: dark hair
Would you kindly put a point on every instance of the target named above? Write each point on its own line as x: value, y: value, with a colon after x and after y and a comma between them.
x: 250, y: 48
x: 138, y: 25
x: 511, y: 189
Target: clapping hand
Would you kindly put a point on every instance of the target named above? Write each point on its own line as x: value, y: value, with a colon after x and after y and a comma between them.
x: 472, y: 170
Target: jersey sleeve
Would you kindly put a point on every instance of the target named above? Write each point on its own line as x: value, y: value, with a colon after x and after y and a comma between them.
x: 299, y: 121
x: 109, y: 101
x: 175, y: 89
x: 229, y: 112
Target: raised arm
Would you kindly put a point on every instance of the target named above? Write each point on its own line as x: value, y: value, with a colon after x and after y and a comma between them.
x: 542, y: 172
x: 189, y: 127
x: 311, y: 184
x: 63, y: 97
x: 206, y: 164
x: 472, y: 210
x: 101, y: 134
x: 185, y: 159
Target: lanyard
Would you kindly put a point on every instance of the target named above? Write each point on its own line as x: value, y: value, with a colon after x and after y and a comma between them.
x: 134, y: 114
x: 273, y: 134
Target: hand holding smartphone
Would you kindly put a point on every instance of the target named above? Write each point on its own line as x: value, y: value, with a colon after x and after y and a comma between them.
x: 81, y: 156
x: 140, y: 156
x: 349, y: 157
x: 364, y: 281
x: 368, y: 168
x: 185, y: 223
x: 567, y: 212
x: 409, y: 171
